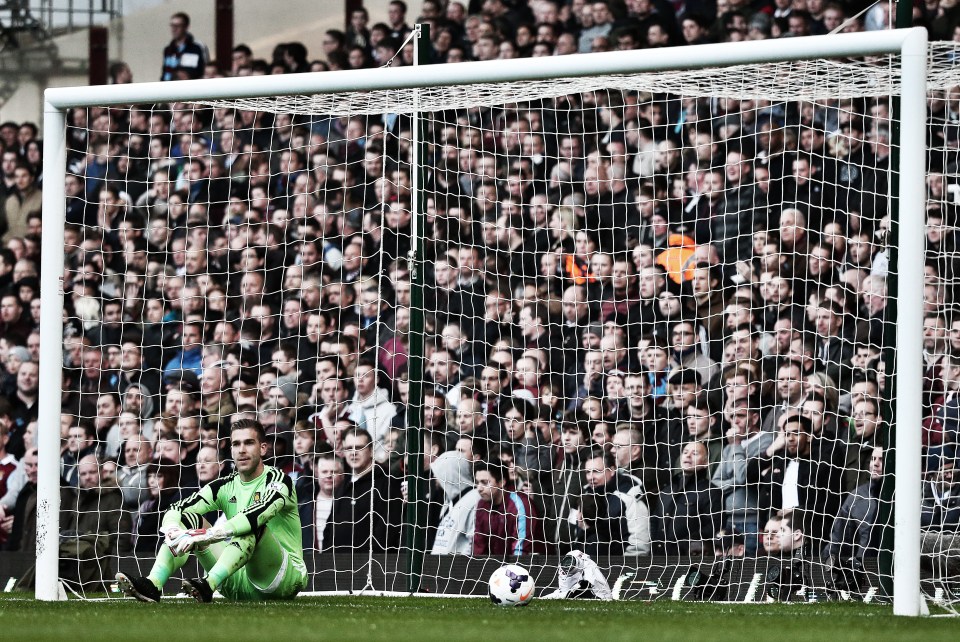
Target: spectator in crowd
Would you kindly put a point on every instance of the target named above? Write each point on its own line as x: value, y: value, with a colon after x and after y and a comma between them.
x: 940, y: 507
x: 317, y: 499
x: 7, y: 166
x: 740, y: 209
x: 16, y: 479
x: 358, y: 35
x: 163, y: 479
x: 729, y: 543
x: 397, y: 20
x: 660, y: 437
x: 185, y: 57
x: 940, y: 517
x: 566, y: 480
x: 23, y: 406
x: 334, y: 403
x: 96, y: 529
x: 173, y: 450
x: 833, y: 350
x: 701, y: 422
x: 81, y: 441
x: 444, y: 372
x: 370, y: 494
x: 457, y: 519
x: 863, y: 386
x: 107, y: 425
x: 26, y: 200
x: 13, y: 321
x: 521, y: 437
x: 371, y: 408
x: 215, y: 400
x: 190, y: 356
x: 782, y: 536
x: 132, y: 372
x: 209, y: 467
x: 795, y: 479
x: 790, y: 394
x: 942, y: 427
x: 689, y: 511
x: 707, y: 300
x: 742, y: 502
x: 770, y: 535
x: 304, y: 450
x: 687, y: 352
x: 589, y: 382
x: 8, y: 463
x: 18, y: 524
x: 856, y: 531
x: 132, y: 475
x: 506, y: 523
x: 598, y: 22
x: 613, y: 518
x: 468, y: 422
x: 188, y: 433
x: 865, y: 434
x: 120, y: 73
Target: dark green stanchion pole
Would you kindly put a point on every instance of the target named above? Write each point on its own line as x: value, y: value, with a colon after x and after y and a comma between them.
x: 904, y: 19
x: 416, y: 517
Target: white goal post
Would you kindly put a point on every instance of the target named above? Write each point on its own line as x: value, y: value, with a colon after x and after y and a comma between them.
x: 911, y: 79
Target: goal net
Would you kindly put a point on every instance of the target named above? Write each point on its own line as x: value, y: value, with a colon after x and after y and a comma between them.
x: 651, y: 316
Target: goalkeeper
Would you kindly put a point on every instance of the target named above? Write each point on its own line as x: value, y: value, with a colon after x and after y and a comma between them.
x: 253, y: 552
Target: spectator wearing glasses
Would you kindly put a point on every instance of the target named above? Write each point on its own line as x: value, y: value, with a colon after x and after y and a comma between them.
x: 185, y: 57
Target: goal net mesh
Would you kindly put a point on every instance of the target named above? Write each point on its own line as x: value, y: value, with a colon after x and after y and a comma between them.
x: 654, y: 314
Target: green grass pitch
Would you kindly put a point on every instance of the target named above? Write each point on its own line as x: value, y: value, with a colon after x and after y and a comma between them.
x: 455, y: 620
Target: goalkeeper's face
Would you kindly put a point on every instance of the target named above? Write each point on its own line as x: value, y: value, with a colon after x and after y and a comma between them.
x: 248, y: 452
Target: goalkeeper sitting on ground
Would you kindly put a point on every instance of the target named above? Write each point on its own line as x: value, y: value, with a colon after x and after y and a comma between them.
x: 253, y: 552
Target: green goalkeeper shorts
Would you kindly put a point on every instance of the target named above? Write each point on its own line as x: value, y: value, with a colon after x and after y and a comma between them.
x: 291, y: 579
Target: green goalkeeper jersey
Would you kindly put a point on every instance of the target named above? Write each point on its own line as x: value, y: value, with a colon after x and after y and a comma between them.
x: 267, y: 502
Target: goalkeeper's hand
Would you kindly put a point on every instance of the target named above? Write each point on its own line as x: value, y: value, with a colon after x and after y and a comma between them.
x: 172, y: 535
x: 195, y: 539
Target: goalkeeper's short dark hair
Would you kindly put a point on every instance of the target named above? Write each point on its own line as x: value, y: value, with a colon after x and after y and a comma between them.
x: 250, y: 424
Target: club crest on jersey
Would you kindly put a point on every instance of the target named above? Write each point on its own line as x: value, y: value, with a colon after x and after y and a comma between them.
x: 256, y: 497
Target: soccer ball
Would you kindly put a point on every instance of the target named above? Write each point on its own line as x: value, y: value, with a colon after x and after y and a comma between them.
x: 511, y: 585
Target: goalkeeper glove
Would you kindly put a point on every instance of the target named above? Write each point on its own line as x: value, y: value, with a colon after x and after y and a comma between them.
x: 196, y: 539
x: 172, y: 534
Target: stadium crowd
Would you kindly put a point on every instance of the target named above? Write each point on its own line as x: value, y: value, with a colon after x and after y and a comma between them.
x: 653, y: 324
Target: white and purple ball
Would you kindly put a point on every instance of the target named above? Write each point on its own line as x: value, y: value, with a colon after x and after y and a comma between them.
x: 511, y: 585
